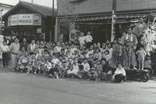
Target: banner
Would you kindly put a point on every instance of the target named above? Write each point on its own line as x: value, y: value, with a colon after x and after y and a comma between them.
x: 24, y: 19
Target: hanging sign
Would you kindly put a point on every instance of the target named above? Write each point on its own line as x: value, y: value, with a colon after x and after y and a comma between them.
x: 24, y: 19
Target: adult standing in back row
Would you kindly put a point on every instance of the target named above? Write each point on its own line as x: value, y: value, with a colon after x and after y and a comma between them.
x: 24, y: 44
x: 88, y: 39
x: 5, y: 54
x: 32, y: 47
x: 14, y: 49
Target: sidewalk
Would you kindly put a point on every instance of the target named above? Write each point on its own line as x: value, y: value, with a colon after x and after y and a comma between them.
x: 7, y: 69
x: 153, y: 78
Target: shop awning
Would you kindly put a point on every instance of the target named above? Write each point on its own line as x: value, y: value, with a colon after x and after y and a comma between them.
x: 119, y: 18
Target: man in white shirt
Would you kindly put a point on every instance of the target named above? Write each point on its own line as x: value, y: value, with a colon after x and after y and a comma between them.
x: 14, y: 49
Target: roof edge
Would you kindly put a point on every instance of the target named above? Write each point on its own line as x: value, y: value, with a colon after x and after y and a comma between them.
x: 124, y: 12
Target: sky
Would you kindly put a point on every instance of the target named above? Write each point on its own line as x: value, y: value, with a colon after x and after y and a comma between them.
x: 41, y: 2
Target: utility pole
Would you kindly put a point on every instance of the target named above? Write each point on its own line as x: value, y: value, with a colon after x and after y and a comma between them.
x: 113, y: 20
x: 1, y: 12
x: 32, y: 1
x: 53, y: 16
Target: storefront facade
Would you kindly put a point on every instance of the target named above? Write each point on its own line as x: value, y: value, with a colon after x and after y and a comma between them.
x: 30, y: 21
x: 95, y: 15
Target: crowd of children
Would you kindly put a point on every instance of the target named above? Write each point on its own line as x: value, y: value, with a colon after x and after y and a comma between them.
x: 62, y: 60
x: 82, y: 59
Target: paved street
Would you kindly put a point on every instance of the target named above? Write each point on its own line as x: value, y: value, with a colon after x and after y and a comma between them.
x: 16, y: 88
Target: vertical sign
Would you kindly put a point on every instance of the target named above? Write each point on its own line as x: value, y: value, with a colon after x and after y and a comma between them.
x: 113, y: 27
x: 113, y: 20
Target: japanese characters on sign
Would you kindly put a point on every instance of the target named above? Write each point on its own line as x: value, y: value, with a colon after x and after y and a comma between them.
x: 24, y: 19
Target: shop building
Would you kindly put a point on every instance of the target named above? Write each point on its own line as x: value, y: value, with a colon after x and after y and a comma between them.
x: 3, y: 9
x: 29, y: 20
x: 96, y: 15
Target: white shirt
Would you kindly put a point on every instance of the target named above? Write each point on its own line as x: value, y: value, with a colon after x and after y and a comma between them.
x: 32, y: 47
x: 88, y: 53
x: 5, y: 48
x: 86, y: 67
x: 57, y: 49
x: 55, y: 61
x: 73, y: 50
x: 48, y: 65
x: 15, y: 47
x: 82, y: 40
x: 120, y: 71
x: 74, y: 70
x: 107, y: 57
x: 88, y: 38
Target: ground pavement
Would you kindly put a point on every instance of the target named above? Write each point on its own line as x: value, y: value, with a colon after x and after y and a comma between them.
x: 17, y: 88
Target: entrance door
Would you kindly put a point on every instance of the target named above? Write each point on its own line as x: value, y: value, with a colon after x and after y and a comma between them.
x: 28, y: 34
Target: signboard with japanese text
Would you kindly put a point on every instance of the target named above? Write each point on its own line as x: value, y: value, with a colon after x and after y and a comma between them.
x: 24, y: 19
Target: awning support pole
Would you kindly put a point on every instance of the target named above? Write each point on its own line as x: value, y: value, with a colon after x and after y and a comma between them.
x: 1, y: 21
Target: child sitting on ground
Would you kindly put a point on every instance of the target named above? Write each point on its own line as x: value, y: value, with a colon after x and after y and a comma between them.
x: 31, y: 64
x: 106, y: 73
x: 48, y: 66
x: 92, y: 74
x: 98, y: 68
x: 23, y: 63
x: 119, y: 74
x: 63, y: 68
x: 53, y: 71
x: 73, y: 72
x: 86, y: 67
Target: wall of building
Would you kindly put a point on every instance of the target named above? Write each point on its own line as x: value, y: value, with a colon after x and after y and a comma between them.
x: 65, y: 7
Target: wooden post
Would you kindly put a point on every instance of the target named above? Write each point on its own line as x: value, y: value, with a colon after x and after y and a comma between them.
x: 1, y: 16
x: 53, y: 16
x: 56, y: 30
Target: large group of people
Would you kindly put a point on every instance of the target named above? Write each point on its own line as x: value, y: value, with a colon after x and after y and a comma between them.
x: 79, y: 59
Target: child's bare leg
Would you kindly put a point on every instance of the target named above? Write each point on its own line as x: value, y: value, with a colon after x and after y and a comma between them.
x: 139, y: 64
x: 142, y: 65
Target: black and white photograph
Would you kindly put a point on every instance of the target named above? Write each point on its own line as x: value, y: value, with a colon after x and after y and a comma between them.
x: 77, y: 51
